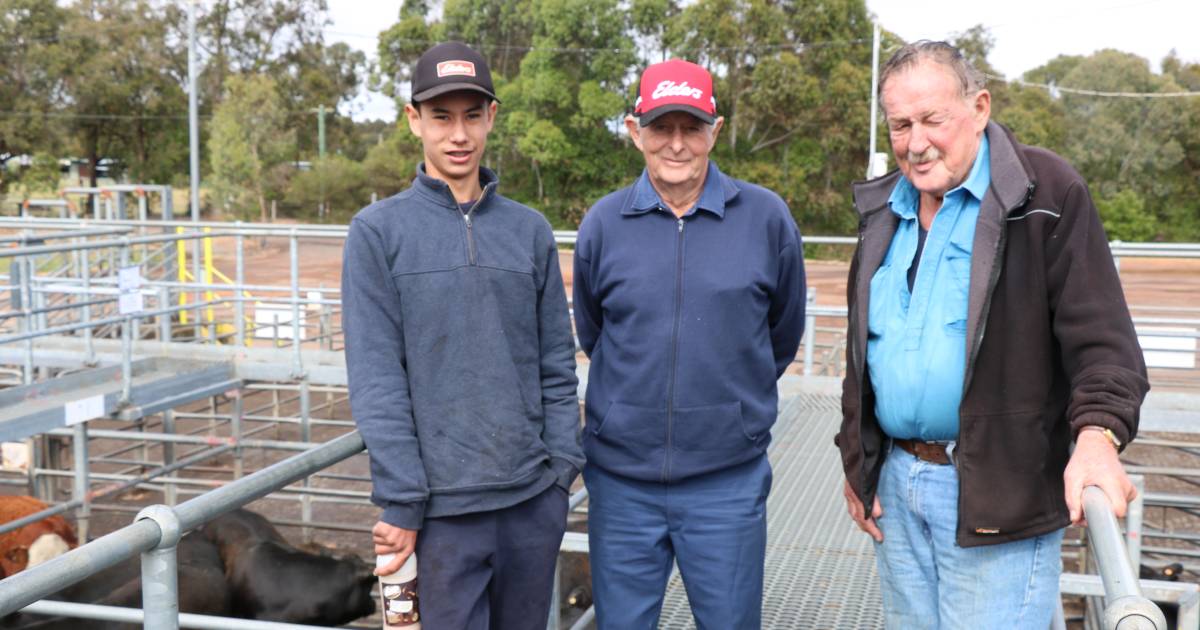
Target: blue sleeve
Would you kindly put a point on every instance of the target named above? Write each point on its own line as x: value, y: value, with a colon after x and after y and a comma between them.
x: 560, y: 398
x: 585, y: 302
x: 375, y: 365
x: 786, y: 314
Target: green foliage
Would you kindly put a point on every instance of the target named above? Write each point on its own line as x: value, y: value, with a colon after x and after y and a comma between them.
x: 1125, y: 218
x: 105, y: 79
x: 391, y: 165
x: 248, y: 138
x: 337, y: 182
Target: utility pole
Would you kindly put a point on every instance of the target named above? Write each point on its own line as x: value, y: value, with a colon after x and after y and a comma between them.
x: 321, y: 131
x: 874, y: 99
x: 193, y: 114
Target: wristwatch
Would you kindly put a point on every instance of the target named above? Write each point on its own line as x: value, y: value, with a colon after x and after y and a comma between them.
x: 1112, y: 437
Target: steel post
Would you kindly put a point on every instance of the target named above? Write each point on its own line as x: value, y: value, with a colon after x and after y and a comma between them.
x: 164, y: 319
x: 168, y: 450
x: 80, y: 490
x: 294, y: 249
x: 810, y: 330
x: 1133, y: 521
x: 239, y: 303
x: 160, y: 571
x: 89, y: 357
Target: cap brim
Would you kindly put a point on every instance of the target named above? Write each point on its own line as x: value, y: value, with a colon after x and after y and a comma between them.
x: 654, y: 114
x: 445, y: 88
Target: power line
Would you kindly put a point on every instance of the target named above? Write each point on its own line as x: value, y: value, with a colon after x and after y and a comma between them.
x: 1057, y: 89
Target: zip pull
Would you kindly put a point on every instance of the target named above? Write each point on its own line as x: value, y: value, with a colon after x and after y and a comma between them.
x: 467, y: 218
x: 681, y: 225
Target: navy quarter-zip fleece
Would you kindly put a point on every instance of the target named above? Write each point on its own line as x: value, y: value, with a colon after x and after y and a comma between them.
x: 688, y: 323
x: 459, y: 352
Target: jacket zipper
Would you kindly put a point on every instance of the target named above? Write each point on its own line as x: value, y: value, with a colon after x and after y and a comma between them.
x: 674, y: 346
x: 470, y: 239
x: 467, y: 220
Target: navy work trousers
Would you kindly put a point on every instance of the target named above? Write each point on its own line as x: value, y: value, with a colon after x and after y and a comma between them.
x: 713, y: 526
x: 491, y: 570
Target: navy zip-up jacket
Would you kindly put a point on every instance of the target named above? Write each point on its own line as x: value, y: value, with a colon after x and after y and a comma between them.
x: 459, y: 352
x: 688, y: 323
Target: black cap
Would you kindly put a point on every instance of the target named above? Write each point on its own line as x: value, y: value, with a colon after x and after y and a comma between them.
x: 449, y: 67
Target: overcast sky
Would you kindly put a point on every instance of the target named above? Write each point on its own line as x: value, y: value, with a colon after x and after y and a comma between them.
x: 1027, y: 33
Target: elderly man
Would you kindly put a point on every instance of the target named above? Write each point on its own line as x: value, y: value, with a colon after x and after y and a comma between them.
x: 462, y: 367
x: 988, y: 332
x: 689, y: 299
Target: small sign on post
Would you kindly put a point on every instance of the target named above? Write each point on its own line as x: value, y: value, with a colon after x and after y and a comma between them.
x: 129, y: 287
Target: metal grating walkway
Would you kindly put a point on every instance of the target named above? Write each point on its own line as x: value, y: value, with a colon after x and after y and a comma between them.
x: 820, y: 570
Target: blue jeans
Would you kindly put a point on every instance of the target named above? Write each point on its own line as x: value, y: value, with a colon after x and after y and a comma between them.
x: 713, y: 526
x: 928, y: 581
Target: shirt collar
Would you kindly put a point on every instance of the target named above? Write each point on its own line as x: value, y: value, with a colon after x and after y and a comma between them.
x: 487, y: 180
x: 905, y: 197
x: 718, y: 190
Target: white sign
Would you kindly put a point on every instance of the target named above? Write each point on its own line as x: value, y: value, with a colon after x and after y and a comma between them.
x: 129, y: 284
x: 1177, y: 350
x: 14, y: 456
x: 130, y: 303
x: 84, y: 409
x: 129, y: 279
x: 272, y: 322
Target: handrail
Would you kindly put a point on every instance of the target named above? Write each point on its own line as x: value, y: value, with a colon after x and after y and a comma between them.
x: 148, y: 533
x: 1127, y: 608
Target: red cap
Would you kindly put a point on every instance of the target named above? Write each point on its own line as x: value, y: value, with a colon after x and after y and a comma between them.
x: 675, y: 86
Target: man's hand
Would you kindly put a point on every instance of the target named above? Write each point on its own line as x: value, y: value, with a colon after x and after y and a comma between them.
x: 392, y: 539
x: 867, y: 524
x: 1095, y: 463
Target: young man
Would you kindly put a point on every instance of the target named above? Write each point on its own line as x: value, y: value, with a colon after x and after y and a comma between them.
x: 462, y: 367
x: 689, y: 299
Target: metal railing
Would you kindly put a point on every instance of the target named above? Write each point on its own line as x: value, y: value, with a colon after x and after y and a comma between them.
x: 1127, y: 608
x: 155, y: 533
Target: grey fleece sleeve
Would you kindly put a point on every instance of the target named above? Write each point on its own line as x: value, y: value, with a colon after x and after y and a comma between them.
x: 375, y: 364
x: 560, y: 401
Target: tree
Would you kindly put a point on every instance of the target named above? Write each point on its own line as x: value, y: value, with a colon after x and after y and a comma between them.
x: 248, y: 138
x: 337, y: 182
x: 122, y: 105
x: 30, y: 78
x: 1125, y: 218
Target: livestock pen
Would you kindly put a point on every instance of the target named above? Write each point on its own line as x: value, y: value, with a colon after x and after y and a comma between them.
x: 177, y: 362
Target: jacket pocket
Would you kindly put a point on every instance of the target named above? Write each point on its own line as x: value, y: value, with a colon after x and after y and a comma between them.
x: 629, y: 440
x: 1011, y: 478
x: 710, y: 438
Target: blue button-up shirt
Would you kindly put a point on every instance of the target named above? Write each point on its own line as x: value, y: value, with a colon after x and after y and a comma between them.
x: 916, y: 347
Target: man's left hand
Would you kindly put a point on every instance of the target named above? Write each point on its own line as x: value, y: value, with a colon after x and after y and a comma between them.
x: 1095, y: 463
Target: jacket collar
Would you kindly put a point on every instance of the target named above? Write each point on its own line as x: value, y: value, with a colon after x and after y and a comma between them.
x: 1012, y: 177
x: 439, y: 191
x: 719, y: 189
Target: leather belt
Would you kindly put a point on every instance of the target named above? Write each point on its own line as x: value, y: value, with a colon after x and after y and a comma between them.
x: 931, y: 452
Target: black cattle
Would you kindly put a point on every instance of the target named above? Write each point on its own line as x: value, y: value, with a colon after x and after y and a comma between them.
x: 202, y: 590
x: 271, y: 580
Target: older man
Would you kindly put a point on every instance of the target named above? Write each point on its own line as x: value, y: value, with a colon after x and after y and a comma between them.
x: 988, y: 332
x: 689, y: 299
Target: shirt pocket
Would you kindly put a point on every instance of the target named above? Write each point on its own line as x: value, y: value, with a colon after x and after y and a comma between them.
x: 880, y: 304
x: 958, y: 278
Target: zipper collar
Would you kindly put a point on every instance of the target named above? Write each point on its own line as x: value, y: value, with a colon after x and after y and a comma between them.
x: 439, y: 191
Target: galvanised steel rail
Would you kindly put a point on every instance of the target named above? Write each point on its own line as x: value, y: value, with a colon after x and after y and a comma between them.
x: 156, y: 532
x: 1127, y: 608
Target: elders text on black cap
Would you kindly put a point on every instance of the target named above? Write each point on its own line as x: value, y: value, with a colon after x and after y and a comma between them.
x: 449, y: 67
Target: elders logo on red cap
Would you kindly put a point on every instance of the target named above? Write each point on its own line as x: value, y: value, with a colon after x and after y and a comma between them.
x: 675, y: 85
